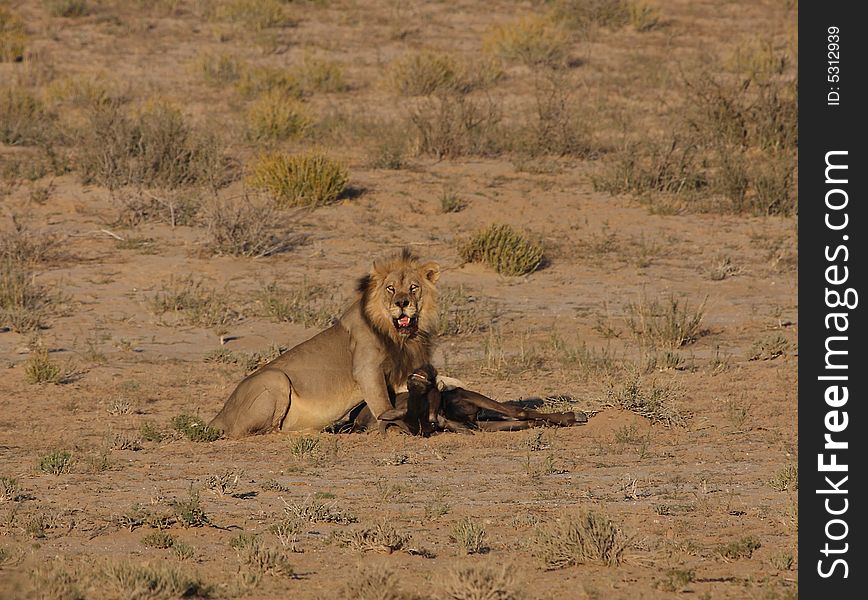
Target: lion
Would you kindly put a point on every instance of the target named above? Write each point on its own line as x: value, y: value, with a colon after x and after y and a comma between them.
x: 363, y: 357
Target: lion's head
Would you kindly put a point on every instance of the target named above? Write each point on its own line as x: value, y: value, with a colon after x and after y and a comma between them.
x: 400, y: 296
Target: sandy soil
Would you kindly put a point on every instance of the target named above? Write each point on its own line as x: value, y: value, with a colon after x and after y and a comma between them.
x: 679, y: 493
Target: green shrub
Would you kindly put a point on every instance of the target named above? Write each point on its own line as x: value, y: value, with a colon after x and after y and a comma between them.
x: 56, y: 463
x: 195, y: 429
x: 308, y: 179
x: 505, y: 250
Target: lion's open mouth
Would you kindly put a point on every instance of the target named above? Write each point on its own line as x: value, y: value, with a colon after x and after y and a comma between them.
x: 405, y: 324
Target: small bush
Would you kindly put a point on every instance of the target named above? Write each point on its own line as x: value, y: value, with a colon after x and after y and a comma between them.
x: 149, y: 432
x: 22, y: 245
x: 769, y: 348
x: 24, y: 120
x: 785, y: 480
x: 583, y: 15
x: 677, y: 579
x: 505, y: 250
x: 373, y: 583
x: 380, y: 538
x: 590, y: 537
x: 172, y: 207
x: 40, y: 369
x: 652, y: 401
x: 67, y: 8
x: 159, y: 539
x: 671, y: 167
x: 255, y: 15
x: 12, y: 38
x: 742, y: 548
x: 10, y: 489
x: 158, y: 581
x: 244, y: 227
x: 256, y: 81
x: 312, y: 511
x: 310, y: 179
x: 315, y: 75
x: 669, y: 324
x: 470, y: 536
x: 189, y: 512
x: 454, y: 125
x: 56, y: 463
x: 275, y: 116
x: 424, y: 73
x: 24, y: 304
x: 532, y: 41
x: 195, y: 429
x: 557, y: 127
x: 479, y: 583
x: 156, y: 148
x: 220, y: 69
x: 264, y: 560
x: 450, y: 202
x: 387, y: 146
x: 190, y: 301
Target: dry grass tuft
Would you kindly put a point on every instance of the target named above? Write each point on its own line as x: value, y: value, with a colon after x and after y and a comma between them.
x: 479, y: 583
x: 324, y: 76
x: 154, y: 581
x: 307, y: 304
x: 156, y: 148
x: 785, y: 480
x: 669, y: 324
x: 589, y: 537
x: 741, y: 548
x: 454, y: 125
x: 12, y: 37
x: 244, y: 227
x: 40, y: 368
x: 190, y: 301
x: 275, y: 117
x: 309, y: 179
x: 470, y: 536
x: 312, y: 511
x: 67, y: 8
x: 652, y: 401
x: 24, y: 304
x: 533, y: 41
x: 253, y: 15
x: 426, y: 73
x: 769, y: 348
x: 24, y: 119
x: 461, y: 313
x: 382, y: 538
x: 373, y: 583
x: 505, y: 250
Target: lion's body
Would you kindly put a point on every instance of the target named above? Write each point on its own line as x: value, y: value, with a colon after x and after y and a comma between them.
x: 364, y: 356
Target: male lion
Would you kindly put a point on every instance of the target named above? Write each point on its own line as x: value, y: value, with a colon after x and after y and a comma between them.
x: 364, y: 356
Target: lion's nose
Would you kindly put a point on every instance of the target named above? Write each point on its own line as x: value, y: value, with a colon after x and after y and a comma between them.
x: 402, y: 303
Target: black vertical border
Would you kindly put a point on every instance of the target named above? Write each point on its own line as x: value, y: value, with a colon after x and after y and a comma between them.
x: 824, y: 128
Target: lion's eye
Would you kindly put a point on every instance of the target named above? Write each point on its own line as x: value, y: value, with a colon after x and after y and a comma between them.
x: 413, y: 288
x: 390, y: 289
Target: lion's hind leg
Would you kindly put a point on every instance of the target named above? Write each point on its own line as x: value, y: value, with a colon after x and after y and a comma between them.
x: 258, y: 405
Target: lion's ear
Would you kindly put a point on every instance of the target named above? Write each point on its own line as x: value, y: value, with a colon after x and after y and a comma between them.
x: 431, y: 271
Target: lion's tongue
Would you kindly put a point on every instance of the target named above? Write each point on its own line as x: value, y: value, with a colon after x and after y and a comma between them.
x: 404, y: 321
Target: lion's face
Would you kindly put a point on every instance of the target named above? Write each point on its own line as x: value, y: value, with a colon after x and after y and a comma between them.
x: 404, y: 294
